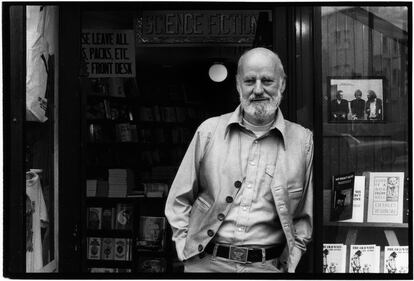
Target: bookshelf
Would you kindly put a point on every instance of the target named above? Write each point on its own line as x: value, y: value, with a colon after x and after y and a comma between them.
x: 133, y: 146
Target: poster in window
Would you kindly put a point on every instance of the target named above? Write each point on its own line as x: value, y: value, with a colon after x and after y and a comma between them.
x: 355, y: 99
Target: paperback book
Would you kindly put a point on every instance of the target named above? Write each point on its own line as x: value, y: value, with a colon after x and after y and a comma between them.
x: 385, y: 197
x: 364, y: 259
x: 108, y: 218
x: 94, y: 218
x: 396, y: 259
x: 151, y: 235
x: 342, y: 196
x: 124, y: 216
x: 108, y: 249
x: 334, y: 258
x: 94, y: 248
x: 358, y: 200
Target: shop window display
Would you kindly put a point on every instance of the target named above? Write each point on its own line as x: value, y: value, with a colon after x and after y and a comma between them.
x: 365, y: 134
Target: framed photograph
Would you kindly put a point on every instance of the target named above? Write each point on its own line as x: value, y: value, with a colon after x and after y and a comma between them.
x: 355, y: 99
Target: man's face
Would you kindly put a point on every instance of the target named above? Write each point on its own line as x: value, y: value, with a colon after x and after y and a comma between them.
x: 260, y: 86
x: 339, y: 96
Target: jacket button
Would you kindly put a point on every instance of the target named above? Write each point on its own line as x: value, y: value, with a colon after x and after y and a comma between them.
x: 210, y: 233
x: 237, y: 184
x: 220, y: 217
x: 200, y: 248
x: 229, y: 199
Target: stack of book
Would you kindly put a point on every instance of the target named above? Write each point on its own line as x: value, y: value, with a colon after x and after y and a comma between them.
x: 119, y: 181
x: 155, y: 189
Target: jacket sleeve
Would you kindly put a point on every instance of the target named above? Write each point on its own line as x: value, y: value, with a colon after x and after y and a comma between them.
x: 184, y: 189
x: 303, y: 217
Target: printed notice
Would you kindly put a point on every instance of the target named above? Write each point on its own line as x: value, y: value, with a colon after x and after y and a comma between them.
x: 108, y: 53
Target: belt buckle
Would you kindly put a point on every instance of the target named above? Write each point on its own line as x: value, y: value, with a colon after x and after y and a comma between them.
x: 238, y: 254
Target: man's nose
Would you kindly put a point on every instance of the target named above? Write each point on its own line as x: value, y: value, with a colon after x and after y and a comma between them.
x: 258, y: 88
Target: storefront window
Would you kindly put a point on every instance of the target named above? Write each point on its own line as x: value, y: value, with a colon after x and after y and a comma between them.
x: 365, y: 139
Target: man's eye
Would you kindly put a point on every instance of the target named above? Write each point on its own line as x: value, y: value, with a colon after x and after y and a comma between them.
x: 267, y: 81
x: 249, y: 81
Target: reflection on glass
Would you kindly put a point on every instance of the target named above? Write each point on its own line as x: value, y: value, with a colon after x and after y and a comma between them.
x: 365, y: 132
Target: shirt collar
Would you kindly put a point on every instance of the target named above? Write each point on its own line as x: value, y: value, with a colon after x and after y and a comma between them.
x: 237, y: 117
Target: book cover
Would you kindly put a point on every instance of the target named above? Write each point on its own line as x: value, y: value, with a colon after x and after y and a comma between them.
x: 120, y: 249
x: 108, y: 249
x: 94, y: 248
x: 358, y: 200
x: 94, y: 218
x: 364, y: 259
x: 334, y: 258
x: 124, y: 216
x: 108, y: 218
x: 396, y: 259
x: 385, y: 196
x: 151, y: 234
x: 150, y: 264
x: 342, y: 196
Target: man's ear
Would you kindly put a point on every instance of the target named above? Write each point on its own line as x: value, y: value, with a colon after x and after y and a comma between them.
x: 282, y: 85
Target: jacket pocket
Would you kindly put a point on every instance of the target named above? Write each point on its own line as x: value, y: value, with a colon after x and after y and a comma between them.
x: 295, y: 192
x: 201, y: 204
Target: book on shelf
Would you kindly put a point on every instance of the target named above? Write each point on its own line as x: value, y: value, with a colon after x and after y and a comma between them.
x: 94, y: 218
x: 100, y: 133
x: 124, y: 216
x: 358, y: 203
x: 108, y: 218
x: 342, y: 196
x: 385, y: 196
x: 151, y: 264
x: 396, y: 259
x: 334, y: 258
x: 120, y: 249
x: 108, y: 249
x: 155, y: 189
x: 94, y: 248
x: 123, y: 249
x: 152, y: 233
x: 116, y: 87
x: 364, y: 259
x: 102, y: 188
x: 120, y: 181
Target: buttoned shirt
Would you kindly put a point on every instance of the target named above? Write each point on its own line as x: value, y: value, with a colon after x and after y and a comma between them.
x: 253, y: 220
x: 208, y: 181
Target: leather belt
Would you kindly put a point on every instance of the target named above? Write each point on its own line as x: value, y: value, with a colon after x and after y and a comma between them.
x: 245, y: 254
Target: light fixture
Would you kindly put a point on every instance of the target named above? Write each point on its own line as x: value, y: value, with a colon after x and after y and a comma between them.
x: 217, y: 72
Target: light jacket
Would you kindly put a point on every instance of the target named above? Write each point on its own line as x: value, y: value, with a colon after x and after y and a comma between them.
x: 199, y: 195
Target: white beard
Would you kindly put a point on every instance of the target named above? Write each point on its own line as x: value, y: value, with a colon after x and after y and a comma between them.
x: 262, y: 111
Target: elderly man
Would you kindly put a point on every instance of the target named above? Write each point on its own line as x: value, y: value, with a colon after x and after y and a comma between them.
x: 242, y: 198
x: 339, y: 107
